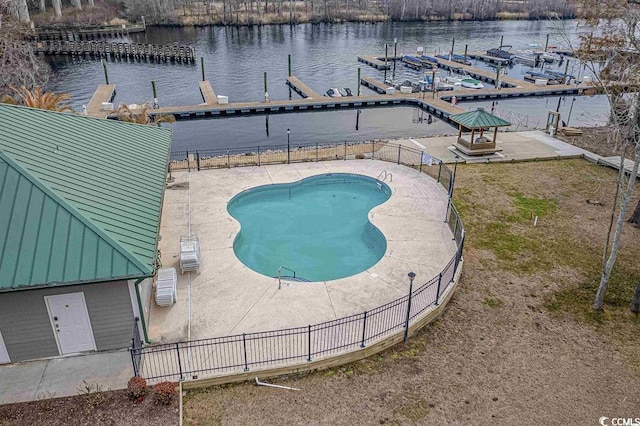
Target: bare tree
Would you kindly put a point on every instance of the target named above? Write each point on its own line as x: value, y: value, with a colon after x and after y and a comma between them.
x: 617, y: 46
x: 57, y: 8
x: 19, y: 65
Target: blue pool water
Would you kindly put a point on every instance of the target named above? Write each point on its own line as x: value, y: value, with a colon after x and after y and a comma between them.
x: 318, y: 226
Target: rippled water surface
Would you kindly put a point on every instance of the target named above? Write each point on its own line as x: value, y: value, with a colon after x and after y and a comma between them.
x: 323, y: 56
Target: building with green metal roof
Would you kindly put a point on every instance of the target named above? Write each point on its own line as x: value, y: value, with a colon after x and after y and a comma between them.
x: 80, y: 206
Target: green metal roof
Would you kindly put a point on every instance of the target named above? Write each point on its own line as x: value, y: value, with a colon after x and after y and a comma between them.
x: 80, y: 198
x: 478, y: 119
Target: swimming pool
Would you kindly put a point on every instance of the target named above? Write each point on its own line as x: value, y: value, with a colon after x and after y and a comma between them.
x: 317, y: 227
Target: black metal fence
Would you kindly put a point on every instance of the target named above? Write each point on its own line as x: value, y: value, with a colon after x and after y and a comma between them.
x: 247, y: 351
x: 311, y: 152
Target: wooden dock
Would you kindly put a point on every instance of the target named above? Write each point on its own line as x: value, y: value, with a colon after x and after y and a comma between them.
x: 483, y: 75
x: 78, y: 34
x: 100, y: 49
x: 104, y: 93
x: 208, y: 95
x: 377, y: 62
x: 374, y: 84
x: 488, y: 58
x: 302, y: 89
x: 438, y: 104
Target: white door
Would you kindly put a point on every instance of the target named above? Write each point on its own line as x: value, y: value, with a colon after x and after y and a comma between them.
x: 4, y: 355
x: 71, y: 324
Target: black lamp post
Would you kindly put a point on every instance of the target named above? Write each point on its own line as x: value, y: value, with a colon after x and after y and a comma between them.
x: 453, y: 179
x: 288, y: 147
x: 411, y: 276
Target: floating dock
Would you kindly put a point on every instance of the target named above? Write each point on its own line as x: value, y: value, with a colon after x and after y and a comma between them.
x: 377, y: 62
x: 104, y: 93
x: 100, y: 49
x: 208, y: 95
x: 488, y: 58
x: 302, y: 89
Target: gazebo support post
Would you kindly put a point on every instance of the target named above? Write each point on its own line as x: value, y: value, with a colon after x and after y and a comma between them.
x: 495, y: 134
x: 473, y: 132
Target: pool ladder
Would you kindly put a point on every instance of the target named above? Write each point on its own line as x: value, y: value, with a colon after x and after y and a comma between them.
x: 294, y: 278
x: 382, y: 177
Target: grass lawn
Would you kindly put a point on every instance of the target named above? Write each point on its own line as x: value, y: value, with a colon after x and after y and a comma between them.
x: 519, y: 339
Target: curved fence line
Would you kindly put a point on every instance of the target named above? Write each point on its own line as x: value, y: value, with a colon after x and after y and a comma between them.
x: 287, y: 347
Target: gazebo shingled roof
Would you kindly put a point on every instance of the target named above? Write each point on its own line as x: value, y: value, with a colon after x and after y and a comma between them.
x: 478, y: 119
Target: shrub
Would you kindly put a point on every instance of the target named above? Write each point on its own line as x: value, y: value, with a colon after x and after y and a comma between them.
x: 137, y: 388
x: 360, y: 156
x: 164, y: 393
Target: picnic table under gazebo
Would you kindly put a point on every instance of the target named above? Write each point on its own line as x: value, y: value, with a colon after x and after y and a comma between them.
x: 477, y: 122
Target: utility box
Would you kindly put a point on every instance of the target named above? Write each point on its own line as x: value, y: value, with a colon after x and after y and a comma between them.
x: 390, y: 90
x: 223, y: 99
x: 166, y: 287
x: 107, y: 106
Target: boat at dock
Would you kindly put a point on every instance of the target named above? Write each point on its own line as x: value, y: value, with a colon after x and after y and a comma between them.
x: 429, y: 60
x: 334, y: 92
x: 461, y: 59
x: 412, y: 62
x: 463, y: 81
x: 502, y: 52
x: 528, y: 57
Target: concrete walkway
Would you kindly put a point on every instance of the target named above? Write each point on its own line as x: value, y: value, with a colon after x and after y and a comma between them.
x: 58, y: 377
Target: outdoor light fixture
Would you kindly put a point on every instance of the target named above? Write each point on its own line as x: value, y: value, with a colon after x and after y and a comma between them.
x: 411, y: 276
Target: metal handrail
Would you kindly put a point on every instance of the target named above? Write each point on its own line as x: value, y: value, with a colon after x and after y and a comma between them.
x: 279, y: 274
x: 384, y: 174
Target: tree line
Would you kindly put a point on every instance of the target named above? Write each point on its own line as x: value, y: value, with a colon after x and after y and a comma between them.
x: 250, y: 12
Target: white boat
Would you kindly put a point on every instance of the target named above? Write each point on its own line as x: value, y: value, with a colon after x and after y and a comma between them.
x: 471, y: 83
x: 551, y: 57
x: 528, y: 57
x: 334, y: 92
x: 465, y: 81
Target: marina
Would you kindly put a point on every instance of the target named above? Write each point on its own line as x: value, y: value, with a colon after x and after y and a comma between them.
x: 439, y: 104
x: 319, y: 69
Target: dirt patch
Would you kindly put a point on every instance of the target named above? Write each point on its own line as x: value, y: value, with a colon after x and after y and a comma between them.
x: 518, y: 340
x: 596, y: 140
x: 104, y: 408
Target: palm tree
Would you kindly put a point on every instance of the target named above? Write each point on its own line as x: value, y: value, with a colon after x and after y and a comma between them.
x: 141, y: 115
x: 36, y: 98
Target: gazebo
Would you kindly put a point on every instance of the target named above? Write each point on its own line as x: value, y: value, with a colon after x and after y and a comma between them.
x: 477, y: 122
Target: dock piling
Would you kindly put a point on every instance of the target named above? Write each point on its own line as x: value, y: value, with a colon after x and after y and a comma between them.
x: 266, y: 90
x: 453, y: 44
x: 498, y: 76
x: 546, y: 44
x: 395, y: 59
x: 202, y: 66
x: 155, y: 95
x: 106, y: 74
x: 386, y: 48
x: 501, y: 40
x: 466, y: 46
x: 358, y: 81
x: 289, y: 60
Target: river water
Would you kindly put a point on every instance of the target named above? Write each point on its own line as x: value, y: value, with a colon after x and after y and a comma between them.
x: 323, y: 56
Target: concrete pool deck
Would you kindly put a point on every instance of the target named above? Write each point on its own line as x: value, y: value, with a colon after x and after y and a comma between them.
x: 225, y: 297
